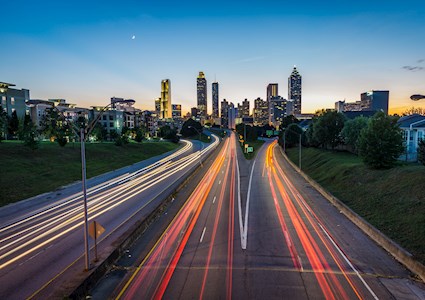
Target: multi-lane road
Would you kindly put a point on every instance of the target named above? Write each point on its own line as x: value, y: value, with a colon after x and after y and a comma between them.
x: 257, y: 230
x: 42, y: 246
x: 248, y: 230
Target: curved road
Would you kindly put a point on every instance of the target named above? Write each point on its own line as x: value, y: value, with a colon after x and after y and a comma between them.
x: 42, y: 247
x: 257, y: 230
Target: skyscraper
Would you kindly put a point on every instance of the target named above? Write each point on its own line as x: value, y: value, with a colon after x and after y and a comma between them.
x: 261, y: 112
x: 224, y: 114
x: 294, y: 90
x: 272, y: 91
x: 215, y: 100
x: 166, y: 109
x: 202, y: 95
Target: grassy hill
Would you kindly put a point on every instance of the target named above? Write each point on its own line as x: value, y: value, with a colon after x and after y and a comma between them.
x: 392, y: 200
x: 25, y: 173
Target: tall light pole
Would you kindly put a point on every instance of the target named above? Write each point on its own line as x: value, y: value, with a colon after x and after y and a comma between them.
x: 83, y: 132
x: 202, y: 144
x: 299, y: 143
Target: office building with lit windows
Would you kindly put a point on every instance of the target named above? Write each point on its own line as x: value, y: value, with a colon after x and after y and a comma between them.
x: 272, y: 91
x: 215, y: 100
x: 294, y: 90
x: 201, y: 87
x: 177, y: 111
x: 261, y: 112
x: 166, y: 109
x: 13, y: 99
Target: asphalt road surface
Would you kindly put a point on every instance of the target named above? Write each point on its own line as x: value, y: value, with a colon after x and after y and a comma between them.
x: 258, y: 230
x: 42, y: 244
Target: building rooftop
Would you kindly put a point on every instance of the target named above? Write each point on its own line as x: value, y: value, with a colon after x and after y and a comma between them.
x: 415, y: 119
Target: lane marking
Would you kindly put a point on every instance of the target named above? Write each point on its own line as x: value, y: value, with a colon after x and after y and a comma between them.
x: 202, y: 236
x: 244, y: 239
x: 214, y: 199
x: 219, y: 182
x: 350, y: 264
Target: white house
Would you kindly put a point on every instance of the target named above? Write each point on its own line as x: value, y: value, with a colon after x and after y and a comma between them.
x: 413, y: 127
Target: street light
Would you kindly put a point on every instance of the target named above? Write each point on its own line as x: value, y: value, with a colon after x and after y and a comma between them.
x: 202, y: 144
x: 417, y: 97
x: 84, y: 132
x: 284, y: 144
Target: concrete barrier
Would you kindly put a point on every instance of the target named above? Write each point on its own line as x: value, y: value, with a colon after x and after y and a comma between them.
x: 134, y: 233
x: 377, y: 236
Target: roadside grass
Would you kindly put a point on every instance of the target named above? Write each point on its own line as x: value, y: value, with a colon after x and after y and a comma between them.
x: 25, y: 173
x: 392, y: 200
x: 256, y: 144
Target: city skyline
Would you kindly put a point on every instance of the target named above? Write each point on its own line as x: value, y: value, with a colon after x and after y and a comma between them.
x: 341, y: 50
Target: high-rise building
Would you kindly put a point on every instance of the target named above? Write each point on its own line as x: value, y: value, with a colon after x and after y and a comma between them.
x: 215, y: 100
x: 261, y: 112
x: 245, y: 108
x: 166, y: 109
x: 233, y: 112
x: 375, y: 101
x: 177, y: 111
x: 294, y: 90
x: 194, y: 112
x: 224, y: 114
x: 279, y: 108
x: 201, y: 86
x: 157, y: 106
x: 272, y: 91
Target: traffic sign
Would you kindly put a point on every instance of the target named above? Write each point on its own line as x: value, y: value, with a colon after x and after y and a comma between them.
x: 95, y: 230
x: 250, y: 149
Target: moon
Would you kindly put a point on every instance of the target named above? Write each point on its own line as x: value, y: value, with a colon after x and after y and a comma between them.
x: 133, y: 37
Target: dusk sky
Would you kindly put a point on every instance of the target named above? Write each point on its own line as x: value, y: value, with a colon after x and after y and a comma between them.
x: 85, y: 53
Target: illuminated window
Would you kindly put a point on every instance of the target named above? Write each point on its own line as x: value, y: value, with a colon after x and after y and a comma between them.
x: 3, y: 100
x: 12, y: 100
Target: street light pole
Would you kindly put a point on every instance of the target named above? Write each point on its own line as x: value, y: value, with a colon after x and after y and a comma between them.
x: 86, y: 219
x: 202, y: 144
x: 300, y: 154
x: 83, y: 134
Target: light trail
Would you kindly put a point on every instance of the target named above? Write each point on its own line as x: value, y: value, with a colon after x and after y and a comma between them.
x: 330, y: 285
x: 61, y: 218
x: 326, y: 239
x: 214, y: 232
x: 172, y: 242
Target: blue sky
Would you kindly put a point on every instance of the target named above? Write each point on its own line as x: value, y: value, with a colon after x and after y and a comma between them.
x: 84, y: 52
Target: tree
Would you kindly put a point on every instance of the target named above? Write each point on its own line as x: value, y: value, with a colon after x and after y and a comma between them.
x: 99, y: 132
x: 247, y: 130
x: 13, y: 124
x: 139, y: 133
x: 3, y: 123
x: 381, y: 142
x: 290, y: 136
x: 327, y: 128
x: 288, y: 120
x: 168, y: 133
x: 191, y: 128
x: 351, y: 132
x: 421, y: 151
x: 31, y: 136
x: 414, y: 110
x: 49, y: 123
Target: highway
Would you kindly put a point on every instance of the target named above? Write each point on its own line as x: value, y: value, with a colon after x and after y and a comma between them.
x: 40, y: 245
x: 257, y: 230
